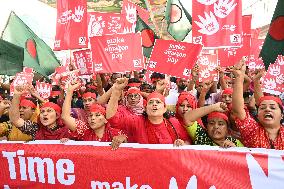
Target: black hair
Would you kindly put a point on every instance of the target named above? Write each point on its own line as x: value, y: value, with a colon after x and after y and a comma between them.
x: 157, y: 75
x: 134, y: 80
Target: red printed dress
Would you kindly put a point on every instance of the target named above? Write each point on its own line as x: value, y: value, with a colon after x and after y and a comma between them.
x: 255, y: 136
x: 85, y: 133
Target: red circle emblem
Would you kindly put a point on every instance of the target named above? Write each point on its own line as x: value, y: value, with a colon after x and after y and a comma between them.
x: 148, y: 38
x: 276, y: 28
x: 31, y: 47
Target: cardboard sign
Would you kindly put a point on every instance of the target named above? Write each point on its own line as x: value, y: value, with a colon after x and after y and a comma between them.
x: 83, y: 61
x: 44, y: 89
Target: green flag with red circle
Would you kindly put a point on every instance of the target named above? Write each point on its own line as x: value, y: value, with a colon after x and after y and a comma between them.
x: 274, y: 41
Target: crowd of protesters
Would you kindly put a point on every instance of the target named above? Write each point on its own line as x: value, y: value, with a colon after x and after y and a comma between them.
x: 122, y: 108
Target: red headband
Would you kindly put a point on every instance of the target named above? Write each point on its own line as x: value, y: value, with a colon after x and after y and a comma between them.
x: 134, y: 85
x: 53, y: 106
x: 92, y: 87
x: 227, y: 91
x: 89, y: 94
x: 217, y: 115
x: 275, y: 99
x: 156, y: 95
x: 55, y: 93
x: 133, y: 90
x: 98, y: 108
x: 27, y: 103
x: 190, y: 99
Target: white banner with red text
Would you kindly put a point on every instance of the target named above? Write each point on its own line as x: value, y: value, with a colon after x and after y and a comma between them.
x: 49, y: 164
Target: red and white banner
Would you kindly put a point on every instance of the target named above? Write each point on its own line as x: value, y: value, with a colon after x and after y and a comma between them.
x: 83, y: 61
x: 207, y: 67
x: 98, y: 167
x: 71, y: 26
x: 255, y: 64
x: 273, y: 81
x: 173, y: 58
x: 217, y: 23
x: 44, y: 89
x: 105, y: 23
x: 117, y: 53
x: 69, y: 77
x: 130, y: 11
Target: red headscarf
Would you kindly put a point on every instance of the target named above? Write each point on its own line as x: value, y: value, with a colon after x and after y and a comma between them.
x: 98, y: 108
x: 89, y: 95
x: 53, y: 106
x: 27, y: 103
x: 274, y: 98
x: 156, y: 95
x: 217, y: 115
x: 227, y: 91
x: 133, y: 90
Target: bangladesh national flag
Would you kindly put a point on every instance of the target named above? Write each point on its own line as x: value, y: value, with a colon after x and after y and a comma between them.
x: 178, y: 19
x: 148, y: 36
x: 274, y: 41
x: 37, y: 54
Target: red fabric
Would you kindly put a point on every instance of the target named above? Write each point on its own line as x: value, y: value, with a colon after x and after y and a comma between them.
x: 227, y: 91
x: 55, y: 93
x: 217, y: 115
x: 53, y: 106
x: 135, y: 125
x: 45, y: 134
x: 71, y: 25
x: 274, y: 98
x: 27, y: 103
x: 98, y: 108
x: 173, y: 57
x: 227, y: 77
x: 85, y: 133
x: 134, y: 84
x: 133, y: 90
x: 89, y: 95
x: 156, y: 95
x: 254, y: 135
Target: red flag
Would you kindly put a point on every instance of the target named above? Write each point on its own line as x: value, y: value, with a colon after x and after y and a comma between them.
x: 256, y: 46
x: 230, y: 56
x: 207, y: 67
x: 117, y: 53
x: 71, y: 27
x: 217, y: 24
x: 105, y: 23
x: 174, y: 58
x: 83, y: 61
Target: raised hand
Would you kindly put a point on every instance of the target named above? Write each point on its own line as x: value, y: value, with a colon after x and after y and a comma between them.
x: 161, y: 86
x: 73, y: 86
x: 20, y: 89
x: 208, y: 25
x: 220, y: 107
x: 207, y: 2
x: 224, y: 8
x: 120, y: 83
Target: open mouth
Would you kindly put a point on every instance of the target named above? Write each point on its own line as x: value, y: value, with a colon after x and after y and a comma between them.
x: 268, y: 116
x: 45, y: 119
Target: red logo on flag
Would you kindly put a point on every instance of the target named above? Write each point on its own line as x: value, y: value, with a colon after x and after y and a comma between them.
x: 83, y: 61
x: 207, y: 65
